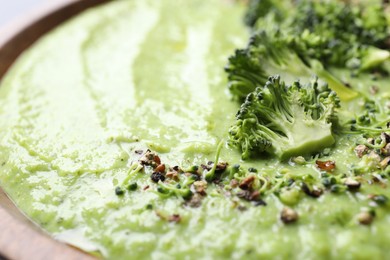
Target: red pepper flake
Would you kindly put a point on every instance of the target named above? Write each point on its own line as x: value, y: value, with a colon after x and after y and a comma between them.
x: 247, y: 182
x: 206, y: 167
x: 146, y: 187
x: 220, y: 168
x: 150, y: 158
x: 245, y: 194
x: 242, y: 208
x: 314, y: 192
x: 174, y: 218
x: 157, y: 159
x: 365, y: 218
x: 234, y: 183
x: 160, y: 168
x: 195, y: 201
x: 288, y: 215
x: 172, y: 175
x: 326, y: 165
x: 254, y: 196
x: 200, y: 187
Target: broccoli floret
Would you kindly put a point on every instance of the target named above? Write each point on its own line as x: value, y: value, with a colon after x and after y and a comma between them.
x: 249, y: 68
x: 285, y: 120
x: 346, y: 35
x: 335, y: 33
x: 338, y: 20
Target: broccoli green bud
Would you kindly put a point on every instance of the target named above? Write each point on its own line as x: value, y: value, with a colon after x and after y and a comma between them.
x: 337, y: 188
x: 285, y: 120
x: 192, y: 169
x: 251, y: 169
x: 328, y: 182
x: 132, y: 187
x: 235, y: 171
x: 244, y: 74
x: 119, y: 191
x: 335, y: 84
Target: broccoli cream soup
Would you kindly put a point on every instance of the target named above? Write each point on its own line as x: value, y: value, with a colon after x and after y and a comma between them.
x: 114, y: 132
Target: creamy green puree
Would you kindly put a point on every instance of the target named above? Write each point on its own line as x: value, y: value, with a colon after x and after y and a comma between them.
x: 133, y: 75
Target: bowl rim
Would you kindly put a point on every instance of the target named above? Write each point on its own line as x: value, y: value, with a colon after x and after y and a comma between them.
x: 27, y: 29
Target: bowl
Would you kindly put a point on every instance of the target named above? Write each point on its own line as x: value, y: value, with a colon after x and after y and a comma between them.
x: 20, y: 238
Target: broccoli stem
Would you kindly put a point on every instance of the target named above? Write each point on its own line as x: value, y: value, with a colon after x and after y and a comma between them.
x: 264, y: 186
x: 365, y: 129
x: 166, y: 190
x: 373, y: 58
x: 297, y: 142
x: 344, y: 93
x: 376, y: 146
x: 134, y: 168
x: 210, y: 175
x: 314, y: 66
